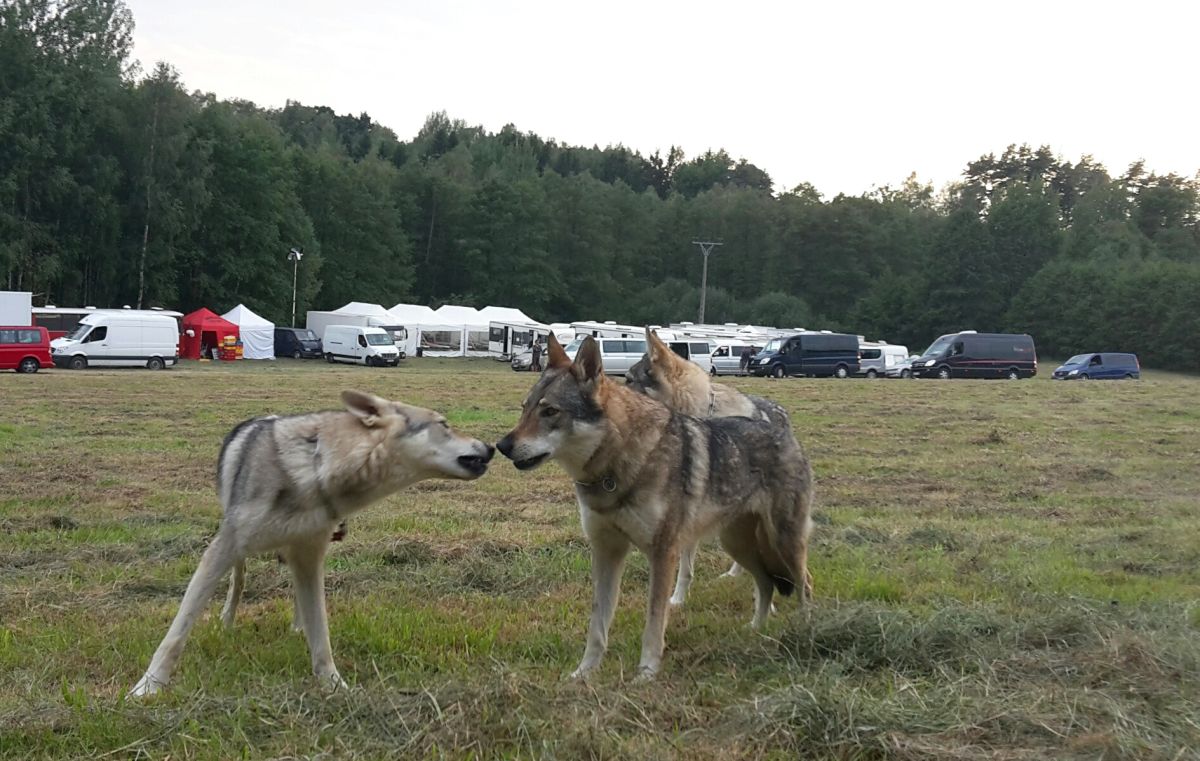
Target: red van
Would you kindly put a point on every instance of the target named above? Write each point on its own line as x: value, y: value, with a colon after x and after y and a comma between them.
x: 24, y: 349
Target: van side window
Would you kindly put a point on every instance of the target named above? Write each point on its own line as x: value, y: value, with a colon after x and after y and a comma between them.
x: 613, y: 347
x: 699, y: 348
x: 956, y: 348
x: 722, y: 351
x: 8, y: 336
x: 362, y: 340
x: 29, y: 337
x: 635, y: 347
x: 1096, y: 360
x: 97, y: 334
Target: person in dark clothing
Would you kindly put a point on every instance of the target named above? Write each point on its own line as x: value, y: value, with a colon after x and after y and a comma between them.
x: 747, y: 352
x: 536, y: 364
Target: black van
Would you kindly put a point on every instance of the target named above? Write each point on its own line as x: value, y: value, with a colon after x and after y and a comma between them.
x: 814, y: 354
x: 968, y: 354
x: 297, y: 343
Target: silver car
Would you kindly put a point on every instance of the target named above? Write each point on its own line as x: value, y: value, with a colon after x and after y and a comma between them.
x: 617, y: 354
x: 727, y: 358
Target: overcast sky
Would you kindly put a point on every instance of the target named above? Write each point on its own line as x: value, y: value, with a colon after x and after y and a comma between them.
x: 844, y: 95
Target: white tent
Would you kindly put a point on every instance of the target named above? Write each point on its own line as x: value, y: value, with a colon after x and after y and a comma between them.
x: 416, y: 317
x: 458, y: 331
x: 506, y: 314
x: 363, y: 309
x: 258, y: 335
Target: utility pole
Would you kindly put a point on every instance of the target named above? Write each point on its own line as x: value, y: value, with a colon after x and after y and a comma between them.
x: 294, y: 256
x: 706, y: 248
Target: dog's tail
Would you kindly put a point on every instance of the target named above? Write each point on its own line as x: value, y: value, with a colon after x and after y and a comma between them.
x: 782, y: 537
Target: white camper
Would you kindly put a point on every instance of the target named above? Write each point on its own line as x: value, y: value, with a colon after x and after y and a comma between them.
x: 119, y: 339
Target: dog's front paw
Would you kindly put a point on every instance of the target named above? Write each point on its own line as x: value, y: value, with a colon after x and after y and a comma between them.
x: 333, y: 682
x: 677, y: 601
x: 583, y: 672
x: 645, y: 674
x: 147, y: 685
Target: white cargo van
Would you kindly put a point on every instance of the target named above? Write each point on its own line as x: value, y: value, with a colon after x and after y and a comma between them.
x: 360, y: 345
x: 119, y: 339
x: 878, y: 358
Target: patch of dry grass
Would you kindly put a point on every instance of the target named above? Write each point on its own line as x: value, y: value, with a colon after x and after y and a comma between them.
x: 1004, y: 570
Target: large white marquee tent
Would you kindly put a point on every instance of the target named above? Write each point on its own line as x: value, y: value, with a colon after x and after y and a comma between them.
x: 258, y: 334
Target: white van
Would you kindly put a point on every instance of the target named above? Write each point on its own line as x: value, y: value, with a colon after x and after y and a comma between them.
x: 878, y: 358
x: 360, y: 346
x: 119, y: 339
x: 617, y: 354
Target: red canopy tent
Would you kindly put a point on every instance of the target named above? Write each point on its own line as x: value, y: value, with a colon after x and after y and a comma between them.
x: 208, y: 330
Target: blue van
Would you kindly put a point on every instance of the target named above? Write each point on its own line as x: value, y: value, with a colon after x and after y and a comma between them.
x: 1102, y: 366
x: 816, y: 354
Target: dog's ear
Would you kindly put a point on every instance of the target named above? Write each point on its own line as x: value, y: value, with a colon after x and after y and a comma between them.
x: 556, y: 356
x: 656, y: 349
x: 366, y: 407
x: 588, y: 365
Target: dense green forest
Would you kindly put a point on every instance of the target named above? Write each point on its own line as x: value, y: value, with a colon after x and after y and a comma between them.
x: 118, y: 186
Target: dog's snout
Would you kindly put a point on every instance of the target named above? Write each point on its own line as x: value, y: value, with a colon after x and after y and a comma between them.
x: 505, y: 445
x: 490, y: 452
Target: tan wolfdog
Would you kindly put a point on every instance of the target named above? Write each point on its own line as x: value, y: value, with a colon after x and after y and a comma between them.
x: 661, y: 481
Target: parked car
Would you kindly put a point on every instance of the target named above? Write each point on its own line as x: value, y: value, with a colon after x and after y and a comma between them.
x: 695, y: 350
x: 25, y: 349
x: 902, y: 368
x: 297, y: 343
x: 727, y: 358
x: 360, y: 345
x: 875, y: 359
x: 968, y: 354
x: 119, y: 339
x: 813, y: 354
x: 1102, y: 366
x: 617, y: 354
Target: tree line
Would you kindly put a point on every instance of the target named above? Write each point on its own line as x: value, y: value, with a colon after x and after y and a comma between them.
x: 119, y: 186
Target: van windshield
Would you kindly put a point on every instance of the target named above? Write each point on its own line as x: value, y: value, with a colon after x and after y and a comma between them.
x: 1078, y: 359
x: 78, y: 333
x: 774, y: 345
x: 379, y: 339
x: 939, y: 346
x: 307, y: 335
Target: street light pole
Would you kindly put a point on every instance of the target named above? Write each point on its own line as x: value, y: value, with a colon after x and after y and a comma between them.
x: 294, y: 255
x: 706, y: 248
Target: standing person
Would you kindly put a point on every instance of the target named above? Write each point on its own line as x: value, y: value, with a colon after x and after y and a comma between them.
x: 536, y: 364
x: 747, y: 352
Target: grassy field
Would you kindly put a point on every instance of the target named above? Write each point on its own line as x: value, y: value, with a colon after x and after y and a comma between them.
x: 1004, y: 570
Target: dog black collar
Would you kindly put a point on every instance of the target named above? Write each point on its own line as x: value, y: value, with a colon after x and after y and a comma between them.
x: 608, y: 484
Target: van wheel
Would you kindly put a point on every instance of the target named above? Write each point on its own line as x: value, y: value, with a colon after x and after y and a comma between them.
x: 1128, y: 376
x: 712, y: 371
x: 156, y: 363
x: 329, y: 358
x: 77, y: 363
x: 841, y: 372
x: 1084, y: 377
x: 28, y: 365
x: 872, y: 374
x: 943, y: 373
x: 905, y: 373
x: 777, y: 371
x: 296, y: 354
x: 1013, y: 374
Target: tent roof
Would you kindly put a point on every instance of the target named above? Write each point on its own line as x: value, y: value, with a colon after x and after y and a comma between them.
x: 506, y: 314
x: 206, y: 319
x: 364, y: 309
x: 413, y: 313
x: 451, y: 314
x: 242, y: 316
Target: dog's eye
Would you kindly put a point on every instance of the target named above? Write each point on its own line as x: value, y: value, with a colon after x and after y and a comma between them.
x: 549, y: 411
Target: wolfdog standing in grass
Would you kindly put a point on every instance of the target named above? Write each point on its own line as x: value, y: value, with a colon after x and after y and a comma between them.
x: 681, y: 385
x: 286, y: 482
x: 661, y: 481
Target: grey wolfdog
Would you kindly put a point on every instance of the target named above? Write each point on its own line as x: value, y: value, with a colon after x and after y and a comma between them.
x: 286, y: 482
x: 661, y: 481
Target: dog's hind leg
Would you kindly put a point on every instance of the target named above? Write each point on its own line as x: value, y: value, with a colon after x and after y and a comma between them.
x: 237, y: 583
x: 734, y: 570
x: 740, y: 541
x: 687, y: 560
x: 307, y: 562
x: 214, y: 564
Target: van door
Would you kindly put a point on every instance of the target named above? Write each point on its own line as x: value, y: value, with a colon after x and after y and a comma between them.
x: 95, y: 346
x: 612, y: 354
x: 793, y: 356
x: 1096, y: 367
